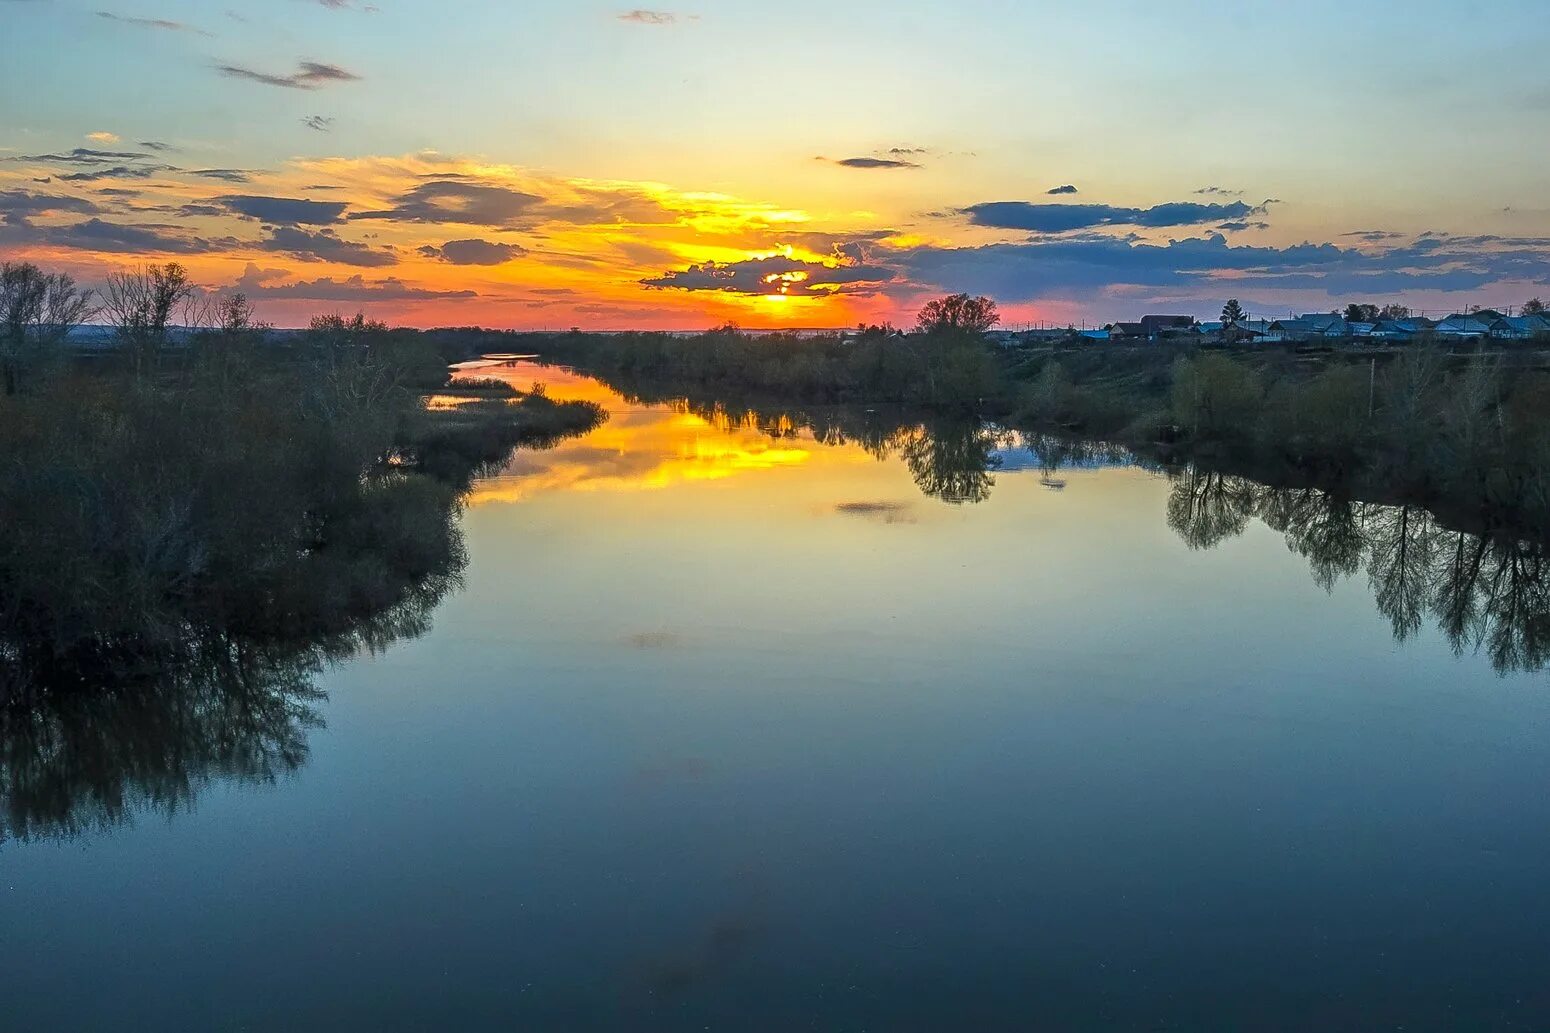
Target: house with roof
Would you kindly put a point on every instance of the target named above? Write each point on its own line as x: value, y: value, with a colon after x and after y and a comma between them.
x: 1519, y: 328
x: 1157, y: 328
x: 1467, y: 327
x: 1243, y: 331
x: 1401, y: 329
x: 1310, y: 327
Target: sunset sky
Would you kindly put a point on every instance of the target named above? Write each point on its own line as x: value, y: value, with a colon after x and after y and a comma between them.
x: 804, y: 163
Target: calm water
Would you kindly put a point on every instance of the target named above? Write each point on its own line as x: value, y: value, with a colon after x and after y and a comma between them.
x: 735, y: 732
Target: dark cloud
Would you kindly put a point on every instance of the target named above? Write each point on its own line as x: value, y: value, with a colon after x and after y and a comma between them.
x: 1067, y: 189
x: 474, y: 252
x: 871, y: 163
x: 224, y: 175
x: 309, y: 75
x: 284, y: 211
x: 1063, y: 218
x: 1240, y: 225
x: 326, y: 246
x: 85, y: 156
x: 461, y: 202
x: 1375, y: 236
x: 1072, y: 267
x: 116, y: 172
x: 775, y: 275
x: 319, y: 123
x: 156, y: 145
x: 1219, y: 192
x: 116, y: 238
x: 19, y: 205
x: 353, y: 289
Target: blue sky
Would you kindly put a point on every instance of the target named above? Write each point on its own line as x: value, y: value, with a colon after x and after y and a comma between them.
x: 734, y: 117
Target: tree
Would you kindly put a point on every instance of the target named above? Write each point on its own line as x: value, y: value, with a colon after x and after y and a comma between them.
x: 1394, y: 312
x: 1362, y: 313
x: 37, y: 312
x: 1534, y: 307
x: 1232, y: 314
x: 140, y: 305
x: 958, y: 314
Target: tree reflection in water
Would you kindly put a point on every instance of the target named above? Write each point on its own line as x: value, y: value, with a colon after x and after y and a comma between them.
x: 1487, y: 593
x: 219, y: 708
x: 1484, y: 592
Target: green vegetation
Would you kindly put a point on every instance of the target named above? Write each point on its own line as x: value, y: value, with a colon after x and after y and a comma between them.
x: 226, y: 495
x: 1465, y: 431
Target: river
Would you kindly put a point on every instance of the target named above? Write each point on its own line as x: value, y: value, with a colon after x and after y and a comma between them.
x: 735, y: 730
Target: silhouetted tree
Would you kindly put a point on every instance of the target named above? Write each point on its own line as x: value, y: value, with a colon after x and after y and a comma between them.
x: 1533, y: 307
x: 1394, y: 312
x: 1357, y: 313
x: 958, y: 313
x: 37, y: 312
x: 1232, y: 314
x: 140, y: 305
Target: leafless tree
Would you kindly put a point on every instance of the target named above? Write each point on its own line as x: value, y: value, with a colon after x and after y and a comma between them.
x: 38, y: 311
x: 140, y: 305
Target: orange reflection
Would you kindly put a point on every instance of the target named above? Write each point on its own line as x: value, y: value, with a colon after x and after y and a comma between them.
x: 644, y: 448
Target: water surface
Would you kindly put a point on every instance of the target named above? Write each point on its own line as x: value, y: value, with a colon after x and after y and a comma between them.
x: 736, y: 731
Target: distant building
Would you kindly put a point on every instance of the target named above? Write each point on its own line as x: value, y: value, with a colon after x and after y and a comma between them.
x: 1310, y: 327
x: 1470, y: 327
x: 1401, y: 329
x: 1156, y: 328
x: 1519, y: 328
x: 1153, y: 328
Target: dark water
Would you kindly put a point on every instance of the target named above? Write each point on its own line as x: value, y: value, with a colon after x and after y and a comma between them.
x: 732, y: 732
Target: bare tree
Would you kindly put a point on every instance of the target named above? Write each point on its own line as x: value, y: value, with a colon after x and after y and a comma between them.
x: 140, y: 305
x: 37, y: 312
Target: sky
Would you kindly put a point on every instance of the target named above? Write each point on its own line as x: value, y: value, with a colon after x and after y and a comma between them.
x: 548, y: 164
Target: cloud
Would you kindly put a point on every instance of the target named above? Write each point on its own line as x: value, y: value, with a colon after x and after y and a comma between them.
x: 156, y: 145
x: 461, y: 202
x: 640, y: 16
x: 1375, y: 236
x: 117, y: 172
x: 1219, y: 192
x: 1063, y: 218
x: 776, y: 274
x: 151, y: 23
x: 871, y: 163
x: 326, y: 246
x: 224, y: 175
x: 1067, y: 189
x: 474, y: 252
x: 309, y: 75
x: 84, y: 156
x: 16, y: 206
x: 112, y: 238
x: 353, y: 289
x: 284, y: 211
x: 319, y: 123
x: 103, y: 137
x: 1059, y: 268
